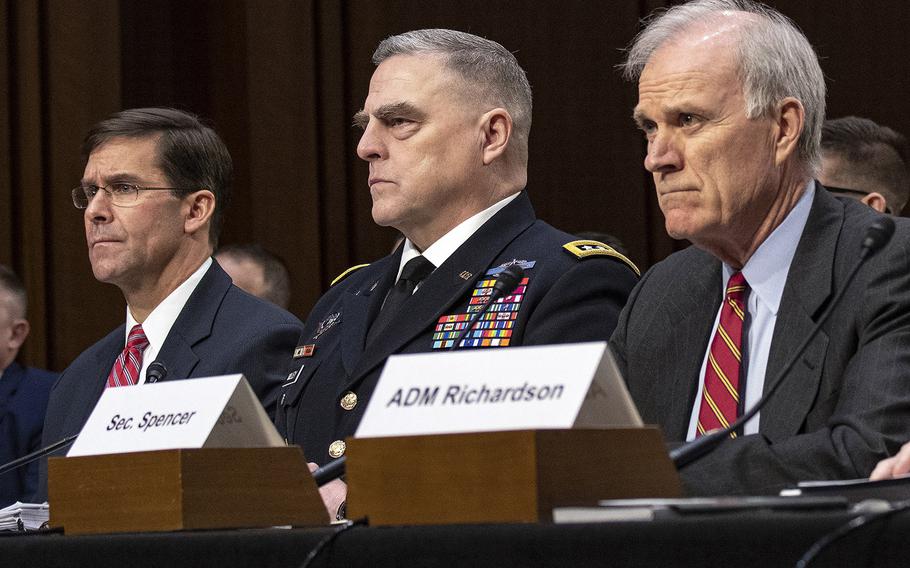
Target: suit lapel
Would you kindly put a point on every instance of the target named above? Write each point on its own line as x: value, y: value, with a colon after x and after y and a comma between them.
x: 95, y: 382
x: 809, y: 285
x: 445, y: 286
x: 9, y: 384
x: 194, y: 324
x: 360, y: 307
x: 690, y: 316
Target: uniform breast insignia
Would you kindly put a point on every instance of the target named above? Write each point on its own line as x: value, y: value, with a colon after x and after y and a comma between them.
x: 327, y: 324
x: 304, y: 351
x: 292, y: 377
x: 585, y: 249
x: 525, y: 264
x: 495, y: 327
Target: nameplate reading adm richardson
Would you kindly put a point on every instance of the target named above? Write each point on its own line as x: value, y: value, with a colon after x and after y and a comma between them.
x: 547, y: 387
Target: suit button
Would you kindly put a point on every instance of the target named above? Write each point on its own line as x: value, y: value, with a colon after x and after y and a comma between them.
x: 349, y: 400
x: 336, y: 448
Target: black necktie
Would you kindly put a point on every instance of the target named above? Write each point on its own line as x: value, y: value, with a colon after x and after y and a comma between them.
x: 413, y: 273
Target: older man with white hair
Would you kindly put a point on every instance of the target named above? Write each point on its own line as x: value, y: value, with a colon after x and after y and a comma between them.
x: 731, y: 102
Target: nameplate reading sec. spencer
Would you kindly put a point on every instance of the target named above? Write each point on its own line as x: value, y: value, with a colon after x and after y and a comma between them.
x: 211, y: 412
x: 546, y: 387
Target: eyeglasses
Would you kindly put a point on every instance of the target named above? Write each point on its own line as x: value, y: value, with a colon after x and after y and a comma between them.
x: 120, y: 194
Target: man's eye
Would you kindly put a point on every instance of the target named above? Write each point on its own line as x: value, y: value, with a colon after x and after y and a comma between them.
x: 687, y: 119
x: 648, y: 127
x: 122, y: 188
x: 398, y: 121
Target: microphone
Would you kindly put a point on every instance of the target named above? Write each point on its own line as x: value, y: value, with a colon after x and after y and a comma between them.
x: 37, y: 454
x: 156, y: 372
x: 330, y: 471
x: 877, y: 236
x: 505, y: 284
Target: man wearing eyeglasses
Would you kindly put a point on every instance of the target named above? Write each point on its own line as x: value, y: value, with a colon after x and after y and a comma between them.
x: 867, y: 162
x: 153, y: 194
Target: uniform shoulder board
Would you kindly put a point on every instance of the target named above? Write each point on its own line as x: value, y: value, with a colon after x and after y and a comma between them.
x: 584, y: 249
x: 346, y: 273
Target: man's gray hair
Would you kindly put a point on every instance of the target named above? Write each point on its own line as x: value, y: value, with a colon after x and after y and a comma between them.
x: 485, y: 67
x: 774, y: 57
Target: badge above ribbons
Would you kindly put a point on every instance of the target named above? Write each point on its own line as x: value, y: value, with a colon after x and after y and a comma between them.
x: 495, y: 327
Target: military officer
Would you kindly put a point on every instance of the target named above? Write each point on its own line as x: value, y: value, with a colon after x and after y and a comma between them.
x: 445, y: 132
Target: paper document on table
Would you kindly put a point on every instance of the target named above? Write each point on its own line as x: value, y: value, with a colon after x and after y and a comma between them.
x: 24, y: 516
x: 855, y: 490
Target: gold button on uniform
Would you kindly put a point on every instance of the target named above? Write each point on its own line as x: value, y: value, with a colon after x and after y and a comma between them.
x: 349, y: 400
x: 336, y: 448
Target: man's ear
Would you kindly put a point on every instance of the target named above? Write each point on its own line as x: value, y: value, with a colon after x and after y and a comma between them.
x: 18, y: 333
x: 200, y: 206
x: 876, y: 201
x: 496, y: 128
x: 790, y: 121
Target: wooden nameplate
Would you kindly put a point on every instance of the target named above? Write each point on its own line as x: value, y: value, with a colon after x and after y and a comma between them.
x: 168, y: 490
x: 503, y: 477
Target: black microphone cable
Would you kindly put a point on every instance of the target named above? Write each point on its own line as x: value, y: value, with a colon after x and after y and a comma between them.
x: 850, y: 527
x: 37, y: 454
x: 325, y: 542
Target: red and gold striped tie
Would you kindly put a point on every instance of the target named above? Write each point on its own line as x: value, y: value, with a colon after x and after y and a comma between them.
x: 128, y: 365
x: 720, y: 396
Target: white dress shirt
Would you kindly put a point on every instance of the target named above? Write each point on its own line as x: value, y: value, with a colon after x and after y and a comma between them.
x: 766, y: 273
x: 442, y: 249
x: 159, y: 323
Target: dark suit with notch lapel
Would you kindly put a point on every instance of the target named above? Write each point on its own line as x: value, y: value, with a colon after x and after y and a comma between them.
x: 23, y: 402
x: 221, y: 330
x: 567, y: 300
x: 846, y: 403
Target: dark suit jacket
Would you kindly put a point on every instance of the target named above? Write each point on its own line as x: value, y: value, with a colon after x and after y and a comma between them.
x: 221, y: 330
x: 846, y: 403
x: 567, y: 300
x: 23, y: 401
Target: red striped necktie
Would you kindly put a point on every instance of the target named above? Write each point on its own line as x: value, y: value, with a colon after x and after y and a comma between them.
x: 128, y: 365
x: 720, y: 395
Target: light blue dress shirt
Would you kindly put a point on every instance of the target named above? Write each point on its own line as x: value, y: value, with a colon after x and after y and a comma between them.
x: 766, y: 272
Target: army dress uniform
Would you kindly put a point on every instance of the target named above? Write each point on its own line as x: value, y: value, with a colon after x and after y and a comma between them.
x: 572, y: 291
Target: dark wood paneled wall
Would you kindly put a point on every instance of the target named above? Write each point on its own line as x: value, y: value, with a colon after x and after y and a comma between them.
x: 280, y: 79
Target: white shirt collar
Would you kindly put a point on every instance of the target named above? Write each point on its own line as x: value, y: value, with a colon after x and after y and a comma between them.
x: 159, y: 322
x: 442, y: 249
x: 766, y: 271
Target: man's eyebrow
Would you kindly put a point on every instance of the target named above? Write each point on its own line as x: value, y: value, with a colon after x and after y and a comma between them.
x: 388, y: 112
x: 393, y: 110
x: 360, y: 119
x: 123, y: 177
x: 639, y: 117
